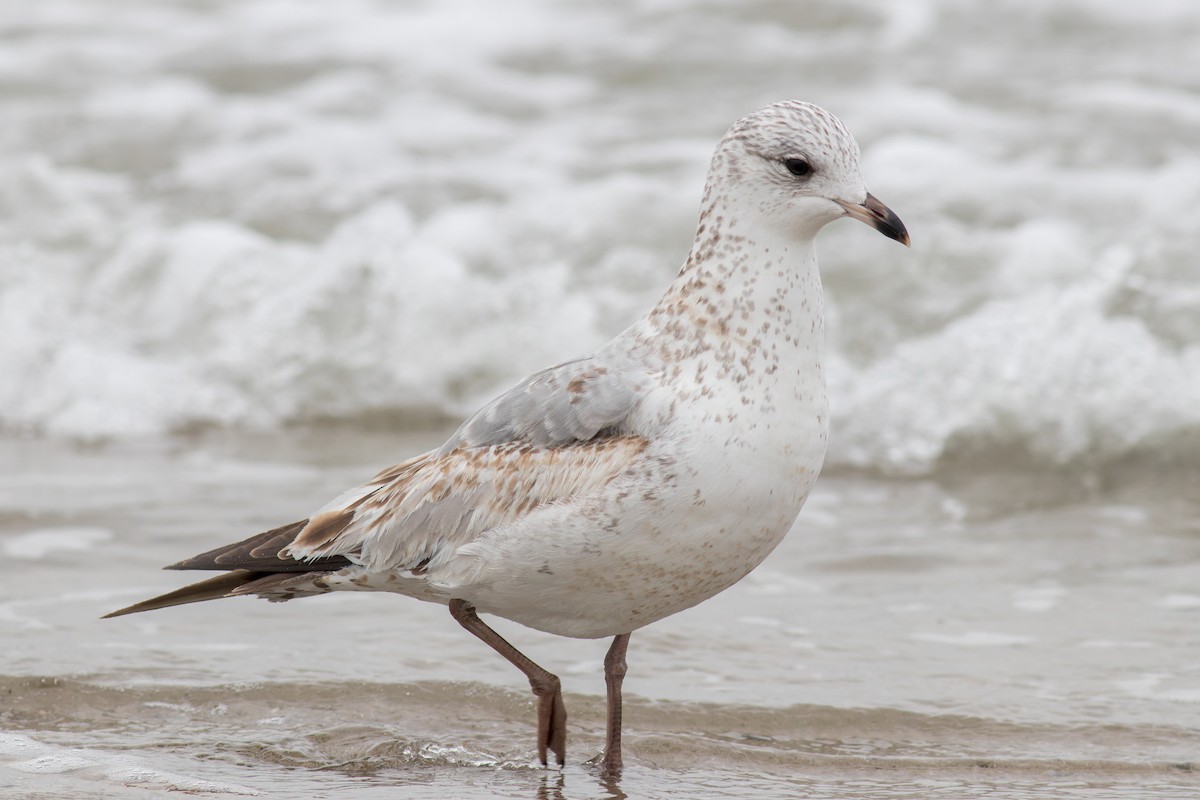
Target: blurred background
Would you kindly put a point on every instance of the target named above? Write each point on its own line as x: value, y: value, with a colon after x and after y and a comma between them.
x: 253, y: 250
x: 252, y: 214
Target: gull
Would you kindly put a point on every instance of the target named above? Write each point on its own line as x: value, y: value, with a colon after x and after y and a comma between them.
x: 608, y: 492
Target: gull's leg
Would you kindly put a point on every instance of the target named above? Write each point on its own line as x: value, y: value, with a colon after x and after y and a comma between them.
x: 614, y: 675
x: 552, y: 714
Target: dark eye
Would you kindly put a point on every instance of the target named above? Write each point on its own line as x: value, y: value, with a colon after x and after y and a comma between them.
x: 798, y: 167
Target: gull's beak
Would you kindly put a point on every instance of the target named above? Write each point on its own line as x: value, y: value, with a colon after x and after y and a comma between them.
x: 878, y: 216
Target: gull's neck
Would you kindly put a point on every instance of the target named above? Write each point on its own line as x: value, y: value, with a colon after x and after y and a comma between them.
x: 743, y: 288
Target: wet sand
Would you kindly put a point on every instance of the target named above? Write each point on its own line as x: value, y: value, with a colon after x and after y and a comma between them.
x: 1000, y: 637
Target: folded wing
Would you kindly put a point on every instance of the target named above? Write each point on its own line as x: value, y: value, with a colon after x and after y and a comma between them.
x: 553, y: 438
x: 559, y: 434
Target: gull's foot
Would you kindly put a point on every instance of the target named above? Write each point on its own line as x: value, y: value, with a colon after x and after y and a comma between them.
x: 552, y: 720
x: 609, y: 762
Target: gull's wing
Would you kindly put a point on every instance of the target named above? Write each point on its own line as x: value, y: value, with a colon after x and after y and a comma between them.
x: 559, y: 434
x: 415, y: 515
x: 572, y: 402
x: 556, y: 436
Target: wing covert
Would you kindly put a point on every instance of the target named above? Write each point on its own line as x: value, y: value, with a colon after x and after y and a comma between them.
x: 416, y: 515
x: 572, y: 402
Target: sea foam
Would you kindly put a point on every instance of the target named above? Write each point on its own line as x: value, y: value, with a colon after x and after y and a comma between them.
x: 250, y: 217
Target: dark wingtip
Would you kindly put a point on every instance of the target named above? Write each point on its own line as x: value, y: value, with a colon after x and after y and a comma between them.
x: 241, y: 563
x: 211, y: 589
x: 258, y: 553
x: 145, y: 605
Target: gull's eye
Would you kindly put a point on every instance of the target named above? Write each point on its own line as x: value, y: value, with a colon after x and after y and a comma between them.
x: 798, y: 167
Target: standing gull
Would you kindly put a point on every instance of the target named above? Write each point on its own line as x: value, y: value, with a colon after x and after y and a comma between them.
x: 608, y: 492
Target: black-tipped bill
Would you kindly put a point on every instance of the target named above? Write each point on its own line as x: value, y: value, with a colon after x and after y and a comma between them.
x: 879, y: 217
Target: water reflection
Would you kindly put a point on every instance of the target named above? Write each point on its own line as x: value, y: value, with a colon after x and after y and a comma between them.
x: 553, y: 786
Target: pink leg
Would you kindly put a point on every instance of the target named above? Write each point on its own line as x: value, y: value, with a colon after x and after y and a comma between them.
x: 552, y: 714
x: 614, y: 675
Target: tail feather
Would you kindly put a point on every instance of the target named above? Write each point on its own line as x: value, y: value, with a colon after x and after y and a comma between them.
x: 211, y: 589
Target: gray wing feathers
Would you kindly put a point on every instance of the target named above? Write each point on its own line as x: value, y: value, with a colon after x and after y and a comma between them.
x: 557, y: 434
x: 571, y: 402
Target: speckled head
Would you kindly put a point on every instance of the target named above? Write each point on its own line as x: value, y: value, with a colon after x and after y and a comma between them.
x: 796, y: 167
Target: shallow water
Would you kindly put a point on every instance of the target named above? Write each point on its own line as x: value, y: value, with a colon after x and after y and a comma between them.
x: 908, y: 639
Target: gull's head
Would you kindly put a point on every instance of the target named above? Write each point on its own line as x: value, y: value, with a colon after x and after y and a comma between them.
x: 796, y: 167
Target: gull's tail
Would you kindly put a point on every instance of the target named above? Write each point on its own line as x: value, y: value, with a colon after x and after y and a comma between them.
x: 252, y: 561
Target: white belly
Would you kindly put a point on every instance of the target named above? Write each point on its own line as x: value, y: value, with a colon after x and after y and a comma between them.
x: 694, y: 515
